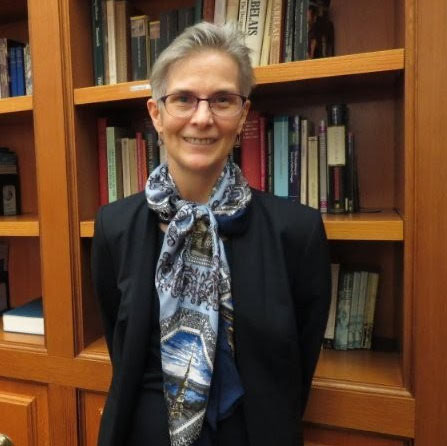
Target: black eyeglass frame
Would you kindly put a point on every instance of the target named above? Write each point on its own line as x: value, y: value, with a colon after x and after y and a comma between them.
x: 244, y: 100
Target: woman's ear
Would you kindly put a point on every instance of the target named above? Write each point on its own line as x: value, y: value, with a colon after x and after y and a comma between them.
x: 155, y: 114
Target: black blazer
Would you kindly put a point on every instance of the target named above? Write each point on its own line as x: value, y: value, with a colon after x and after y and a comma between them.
x: 280, y: 276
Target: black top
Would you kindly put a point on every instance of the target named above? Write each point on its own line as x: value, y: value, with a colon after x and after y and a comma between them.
x: 150, y: 422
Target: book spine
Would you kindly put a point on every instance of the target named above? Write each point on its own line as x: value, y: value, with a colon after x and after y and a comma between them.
x: 280, y: 153
x: 371, y: 298
x: 122, y: 34
x: 263, y: 151
x: 288, y: 31
x: 270, y: 156
x: 125, y: 162
x: 255, y: 28
x: 4, y: 75
x: 323, y: 166
x: 138, y: 37
x: 294, y: 157
x: 20, y: 71
x: 250, y: 150
x: 133, y: 165
x: 350, y: 175
x: 97, y: 42
x: 266, y: 41
x: 358, y: 333
x: 220, y: 12
x: 276, y: 44
x: 232, y: 11
x: 208, y: 10
x: 28, y: 70
x: 312, y: 174
x: 243, y: 10
x: 329, y: 334
x: 154, y: 37
x: 198, y: 6
x: 343, y: 311
x: 12, y: 71
x: 111, y: 42
x: 354, y: 310
x: 102, y: 161
x: 303, y: 147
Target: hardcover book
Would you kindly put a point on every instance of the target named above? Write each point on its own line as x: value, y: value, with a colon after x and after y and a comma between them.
x: 27, y: 318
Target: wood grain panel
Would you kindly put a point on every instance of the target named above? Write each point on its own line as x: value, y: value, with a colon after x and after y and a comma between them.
x: 18, y: 418
x: 24, y: 412
x: 91, y: 408
x: 430, y: 266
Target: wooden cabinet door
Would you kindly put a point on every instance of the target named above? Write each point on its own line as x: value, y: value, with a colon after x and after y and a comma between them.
x: 92, y: 405
x: 24, y: 413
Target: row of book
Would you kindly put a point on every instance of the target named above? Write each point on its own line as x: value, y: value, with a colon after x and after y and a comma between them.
x: 9, y: 183
x: 15, y: 68
x: 126, y: 44
x: 284, y: 155
x: 353, y: 302
x: 125, y: 159
x: 280, y: 30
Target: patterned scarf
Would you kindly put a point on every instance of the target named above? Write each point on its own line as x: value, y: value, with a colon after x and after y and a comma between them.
x: 193, y: 283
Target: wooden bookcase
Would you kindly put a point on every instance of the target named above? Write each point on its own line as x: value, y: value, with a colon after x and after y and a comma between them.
x: 389, y: 69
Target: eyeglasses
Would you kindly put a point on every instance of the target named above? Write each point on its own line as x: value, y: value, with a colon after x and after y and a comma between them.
x: 182, y: 105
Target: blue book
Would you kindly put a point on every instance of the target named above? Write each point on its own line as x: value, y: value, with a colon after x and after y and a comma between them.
x: 280, y: 155
x: 12, y: 71
x: 20, y: 71
x: 27, y: 318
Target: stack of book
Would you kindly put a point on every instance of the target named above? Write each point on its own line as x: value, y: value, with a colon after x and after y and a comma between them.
x: 351, y: 315
x: 9, y: 183
x: 125, y: 159
x: 27, y: 318
x: 286, y: 156
x: 15, y: 68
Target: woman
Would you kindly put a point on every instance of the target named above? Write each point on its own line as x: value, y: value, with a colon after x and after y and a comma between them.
x: 214, y: 296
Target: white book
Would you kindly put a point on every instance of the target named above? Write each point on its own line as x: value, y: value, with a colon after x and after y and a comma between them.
x: 27, y: 318
x: 111, y: 42
x: 232, y: 13
x: 220, y: 12
x: 303, y: 184
x: 242, y: 20
x: 254, y: 28
x: 125, y: 157
x: 265, y: 51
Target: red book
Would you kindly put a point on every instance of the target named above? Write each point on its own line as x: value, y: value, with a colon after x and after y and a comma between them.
x: 251, y: 150
x: 101, y: 125
x: 208, y: 11
x: 263, y: 147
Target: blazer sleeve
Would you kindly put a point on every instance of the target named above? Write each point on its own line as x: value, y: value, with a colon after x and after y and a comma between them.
x: 104, y: 280
x: 313, y: 288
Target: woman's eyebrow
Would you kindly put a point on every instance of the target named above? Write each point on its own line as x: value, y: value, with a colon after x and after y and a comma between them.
x: 191, y: 92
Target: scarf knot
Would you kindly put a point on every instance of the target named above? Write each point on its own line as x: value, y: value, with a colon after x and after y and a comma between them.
x: 193, y: 282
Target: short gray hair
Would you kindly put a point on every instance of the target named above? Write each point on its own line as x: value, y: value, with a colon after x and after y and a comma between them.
x: 201, y: 37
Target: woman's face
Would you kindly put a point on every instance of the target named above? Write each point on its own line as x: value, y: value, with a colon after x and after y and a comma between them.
x: 202, y: 142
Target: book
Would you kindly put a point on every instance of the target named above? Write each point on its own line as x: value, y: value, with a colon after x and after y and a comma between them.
x: 323, y: 166
x: 254, y: 28
x: 114, y: 162
x: 112, y: 73
x: 370, y: 305
x: 10, y: 202
x: 251, y: 150
x: 277, y: 30
x: 300, y: 30
x: 101, y: 125
x: 312, y: 172
x: 122, y: 43
x: 140, y: 47
x: 232, y: 11
x: 242, y: 18
x: 20, y: 71
x: 27, y: 318
x: 358, y: 330
x: 266, y: 41
x: 154, y: 39
x: 280, y: 155
x: 343, y: 310
x: 306, y: 131
x: 98, y: 42
x: 289, y: 24
x: 352, y: 326
x: 220, y: 12
x: 294, y: 165
x: 329, y: 333
x: 28, y: 70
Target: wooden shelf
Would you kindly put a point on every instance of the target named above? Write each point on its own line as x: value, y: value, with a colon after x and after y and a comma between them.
x: 385, y: 225
x: 16, y: 104
x: 360, y: 366
x: 19, y: 226
x: 115, y: 92
x: 381, y: 226
x: 97, y: 350
x: 351, y: 65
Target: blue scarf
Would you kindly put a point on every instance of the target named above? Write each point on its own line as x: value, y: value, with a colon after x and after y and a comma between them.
x: 193, y: 283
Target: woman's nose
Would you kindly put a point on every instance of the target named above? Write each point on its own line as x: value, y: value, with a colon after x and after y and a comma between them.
x: 202, y: 114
